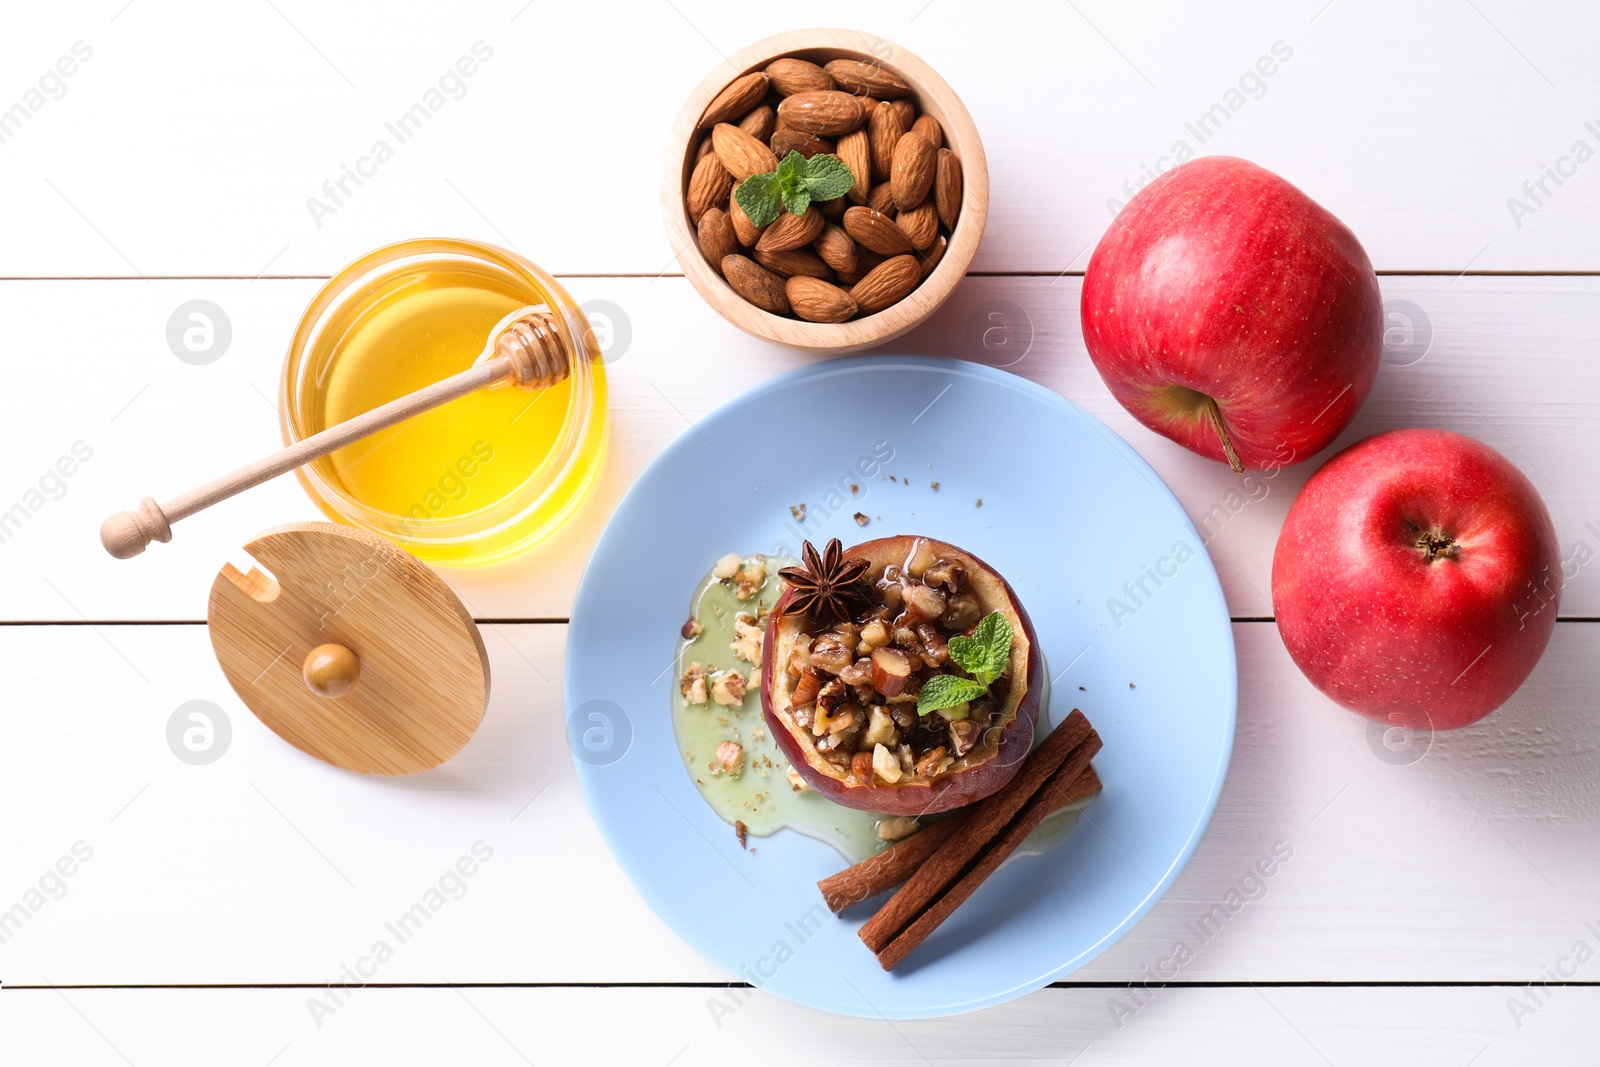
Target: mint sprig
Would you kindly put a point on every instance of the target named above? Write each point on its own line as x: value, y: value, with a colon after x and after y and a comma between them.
x: 984, y: 655
x: 794, y: 185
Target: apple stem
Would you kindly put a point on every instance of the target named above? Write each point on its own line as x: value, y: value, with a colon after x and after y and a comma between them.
x: 1222, y: 431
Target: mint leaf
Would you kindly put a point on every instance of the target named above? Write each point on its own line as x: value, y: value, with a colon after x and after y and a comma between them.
x: 797, y: 202
x: 828, y: 177
x: 758, y: 195
x: 946, y: 691
x: 985, y: 654
x: 967, y: 654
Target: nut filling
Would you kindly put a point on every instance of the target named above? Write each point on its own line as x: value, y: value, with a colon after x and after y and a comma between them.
x: 857, y: 676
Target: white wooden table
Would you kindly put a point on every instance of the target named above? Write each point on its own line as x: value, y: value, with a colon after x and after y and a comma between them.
x: 208, y: 905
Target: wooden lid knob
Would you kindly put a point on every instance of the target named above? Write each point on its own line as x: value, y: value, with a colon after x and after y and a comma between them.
x: 330, y: 670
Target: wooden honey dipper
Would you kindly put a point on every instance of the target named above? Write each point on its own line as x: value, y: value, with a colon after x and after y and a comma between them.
x: 525, y: 349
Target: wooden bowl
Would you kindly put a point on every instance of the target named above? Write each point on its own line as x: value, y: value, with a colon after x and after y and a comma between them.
x: 932, y: 96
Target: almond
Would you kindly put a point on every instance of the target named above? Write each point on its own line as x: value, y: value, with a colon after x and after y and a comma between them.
x: 908, y: 113
x: 855, y: 148
x: 716, y: 236
x: 742, y: 154
x: 818, y: 301
x: 837, y: 249
x: 882, y: 199
x: 884, y: 131
x: 740, y: 96
x: 759, y: 123
x: 867, y: 79
x: 705, y: 147
x: 877, y: 231
x: 826, y: 113
x: 792, y: 231
x: 757, y: 285
x: 888, y: 283
x: 790, y: 76
x: 947, y: 188
x: 929, y: 127
x: 786, y: 141
x: 912, y: 175
x: 708, y: 186
x: 931, y: 258
x: 795, y: 261
x: 833, y: 210
x: 747, y: 232
x: 920, y: 224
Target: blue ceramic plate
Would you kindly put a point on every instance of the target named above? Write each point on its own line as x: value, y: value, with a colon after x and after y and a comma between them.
x: 1121, y: 591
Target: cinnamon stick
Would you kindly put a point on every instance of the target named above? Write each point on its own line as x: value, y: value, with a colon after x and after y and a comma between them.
x: 988, y: 819
x: 889, y: 868
x: 1037, y: 807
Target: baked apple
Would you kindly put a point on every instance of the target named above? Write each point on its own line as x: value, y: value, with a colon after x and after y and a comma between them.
x: 900, y: 676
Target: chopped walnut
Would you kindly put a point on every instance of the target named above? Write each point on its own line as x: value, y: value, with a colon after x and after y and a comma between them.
x: 728, y: 688
x: 948, y: 573
x: 748, y: 579
x: 935, y: 649
x: 961, y: 612
x: 747, y: 638
x: 693, y: 684
x: 741, y: 831
x: 829, y: 653
x: 963, y: 735
x: 861, y: 520
x: 893, y: 829
x: 731, y: 755
x: 874, y: 634
x: 726, y: 567
x: 880, y: 728
x: 858, y: 673
x: 797, y: 783
x: 691, y: 629
x: 885, y: 765
x: 798, y: 511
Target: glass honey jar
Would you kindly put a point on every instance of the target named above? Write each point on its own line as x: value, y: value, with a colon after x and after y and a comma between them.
x: 476, y: 480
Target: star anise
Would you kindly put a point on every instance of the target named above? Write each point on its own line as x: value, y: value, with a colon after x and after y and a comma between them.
x: 828, y: 586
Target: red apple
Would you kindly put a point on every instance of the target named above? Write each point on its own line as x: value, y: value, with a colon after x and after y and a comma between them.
x: 1227, y: 310
x: 1417, y: 579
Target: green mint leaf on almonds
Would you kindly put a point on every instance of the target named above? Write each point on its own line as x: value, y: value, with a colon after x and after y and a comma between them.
x: 758, y: 195
x: 947, y: 691
x: 796, y: 183
x: 985, y: 654
x: 828, y: 177
x: 797, y: 202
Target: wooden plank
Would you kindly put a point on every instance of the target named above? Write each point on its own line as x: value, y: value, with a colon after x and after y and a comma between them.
x: 266, y: 866
x: 223, y: 125
x: 1508, y: 360
x: 1286, y: 1026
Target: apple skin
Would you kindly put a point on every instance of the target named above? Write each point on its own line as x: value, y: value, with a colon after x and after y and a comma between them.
x: 955, y: 788
x: 1380, y: 628
x: 1221, y: 280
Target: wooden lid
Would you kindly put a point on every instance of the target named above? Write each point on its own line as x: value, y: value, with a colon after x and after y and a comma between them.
x: 416, y: 682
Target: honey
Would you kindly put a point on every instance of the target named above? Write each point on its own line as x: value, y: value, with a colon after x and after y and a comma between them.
x: 482, y: 477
